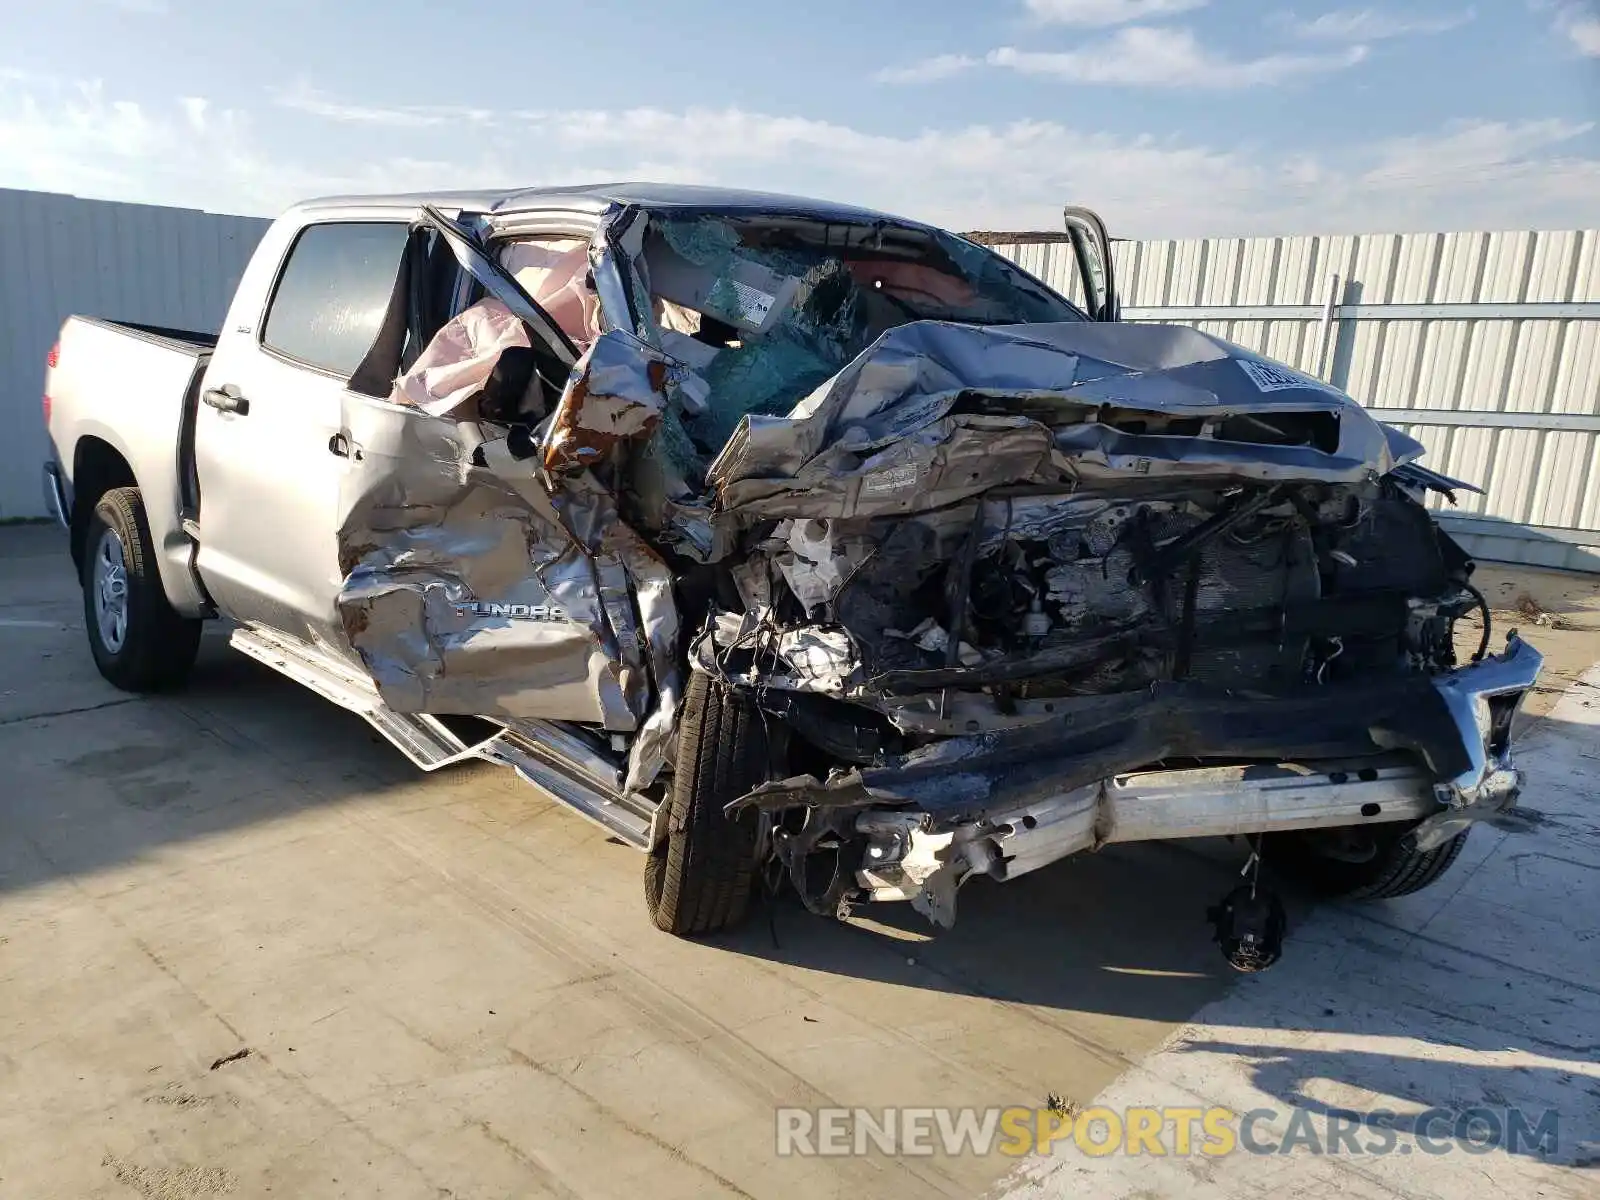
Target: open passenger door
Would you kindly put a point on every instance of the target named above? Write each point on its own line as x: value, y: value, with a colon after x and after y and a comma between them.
x: 497, y: 281
x: 1091, y: 250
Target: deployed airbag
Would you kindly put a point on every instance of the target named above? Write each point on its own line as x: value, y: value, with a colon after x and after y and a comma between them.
x: 455, y: 365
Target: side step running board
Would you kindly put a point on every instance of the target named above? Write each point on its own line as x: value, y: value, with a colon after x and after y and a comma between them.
x: 326, y: 676
x: 543, y: 753
x: 425, y: 740
x: 607, y: 807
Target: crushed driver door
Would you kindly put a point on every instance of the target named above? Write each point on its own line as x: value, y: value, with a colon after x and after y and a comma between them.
x: 470, y: 585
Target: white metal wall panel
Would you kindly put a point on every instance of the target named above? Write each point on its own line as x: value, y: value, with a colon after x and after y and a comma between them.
x: 1517, y: 391
x: 130, y: 262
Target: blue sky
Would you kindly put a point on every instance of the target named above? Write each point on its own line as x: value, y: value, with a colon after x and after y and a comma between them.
x: 1174, y: 117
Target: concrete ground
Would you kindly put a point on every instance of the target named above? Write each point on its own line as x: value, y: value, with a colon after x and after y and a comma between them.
x: 1478, y: 995
x: 1557, y: 611
x: 245, y: 948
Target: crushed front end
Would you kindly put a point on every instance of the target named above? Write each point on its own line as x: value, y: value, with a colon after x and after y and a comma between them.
x: 1179, y: 593
x: 1009, y: 583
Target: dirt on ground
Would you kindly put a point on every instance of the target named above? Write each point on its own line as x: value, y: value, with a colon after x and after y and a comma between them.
x: 1557, y: 612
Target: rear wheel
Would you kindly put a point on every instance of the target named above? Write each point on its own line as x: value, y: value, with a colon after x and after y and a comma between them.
x: 139, y: 641
x: 698, y: 878
x: 1366, y: 863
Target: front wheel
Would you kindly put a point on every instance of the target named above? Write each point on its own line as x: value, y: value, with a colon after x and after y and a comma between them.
x: 139, y: 642
x: 698, y: 878
x: 1364, y: 863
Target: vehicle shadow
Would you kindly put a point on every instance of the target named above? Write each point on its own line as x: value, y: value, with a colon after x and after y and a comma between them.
x: 1121, y: 932
x: 99, y: 779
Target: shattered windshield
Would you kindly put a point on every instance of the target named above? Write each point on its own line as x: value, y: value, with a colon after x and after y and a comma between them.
x: 763, y: 309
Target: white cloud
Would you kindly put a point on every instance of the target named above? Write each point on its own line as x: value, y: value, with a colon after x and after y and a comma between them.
x: 303, y: 98
x: 1169, y: 58
x: 71, y: 136
x: 1448, y: 158
x: 1373, y: 24
x: 1495, y: 174
x: 1575, y: 21
x: 928, y: 70
x: 1107, y: 12
x: 1584, y: 33
x: 1581, y: 28
x: 79, y: 138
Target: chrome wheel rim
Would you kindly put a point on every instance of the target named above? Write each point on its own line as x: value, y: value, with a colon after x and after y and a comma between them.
x: 110, y: 584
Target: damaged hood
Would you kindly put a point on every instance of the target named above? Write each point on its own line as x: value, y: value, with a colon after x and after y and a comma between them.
x: 934, y: 412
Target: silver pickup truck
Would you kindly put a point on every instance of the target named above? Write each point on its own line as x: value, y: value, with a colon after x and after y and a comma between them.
x: 795, y: 542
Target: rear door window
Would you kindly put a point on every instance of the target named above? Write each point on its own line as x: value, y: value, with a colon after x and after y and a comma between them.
x: 333, y: 292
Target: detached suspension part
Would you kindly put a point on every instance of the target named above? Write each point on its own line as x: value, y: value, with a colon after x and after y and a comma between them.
x: 821, y: 864
x: 1250, y: 921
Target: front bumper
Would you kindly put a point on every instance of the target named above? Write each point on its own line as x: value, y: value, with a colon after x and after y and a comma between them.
x: 1436, y: 752
x: 904, y: 860
x: 57, y: 494
x: 1483, y: 699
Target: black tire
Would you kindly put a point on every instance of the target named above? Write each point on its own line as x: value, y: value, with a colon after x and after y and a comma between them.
x: 157, y: 647
x: 698, y: 880
x: 1395, y: 866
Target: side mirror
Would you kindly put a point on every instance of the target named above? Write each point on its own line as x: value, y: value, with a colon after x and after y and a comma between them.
x: 1091, y: 249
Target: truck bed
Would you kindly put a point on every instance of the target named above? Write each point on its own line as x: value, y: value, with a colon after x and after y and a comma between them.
x: 186, y: 341
x: 135, y: 388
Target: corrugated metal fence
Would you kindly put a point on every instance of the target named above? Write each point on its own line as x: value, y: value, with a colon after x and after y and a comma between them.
x: 1486, y: 346
x: 129, y: 262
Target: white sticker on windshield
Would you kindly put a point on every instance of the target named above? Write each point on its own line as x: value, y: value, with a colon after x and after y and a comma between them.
x: 1269, y: 377
x: 754, y: 304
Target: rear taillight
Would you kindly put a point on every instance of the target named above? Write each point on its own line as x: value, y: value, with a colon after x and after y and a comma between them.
x: 51, y: 360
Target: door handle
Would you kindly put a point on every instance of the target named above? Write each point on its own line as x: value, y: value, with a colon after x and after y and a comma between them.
x: 340, y: 445
x: 227, y: 399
